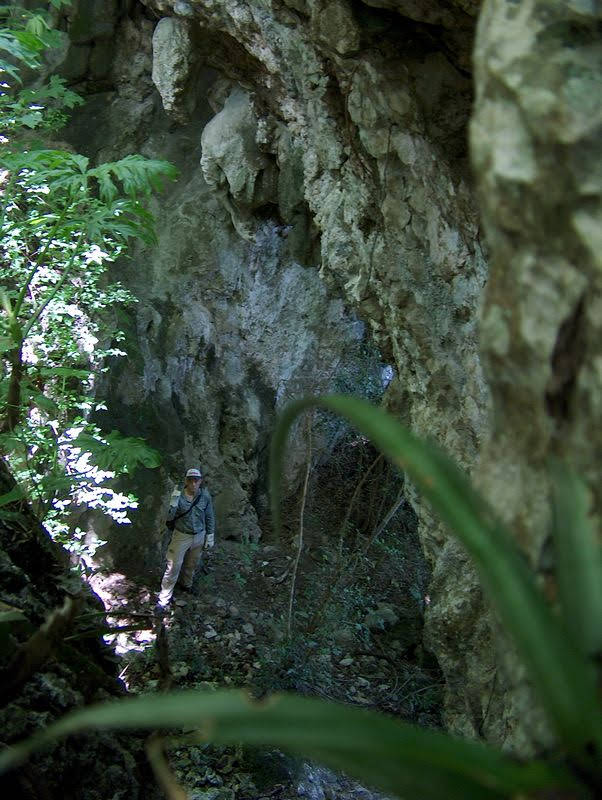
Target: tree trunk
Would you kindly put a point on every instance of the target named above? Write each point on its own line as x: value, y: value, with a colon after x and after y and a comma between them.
x: 13, y: 399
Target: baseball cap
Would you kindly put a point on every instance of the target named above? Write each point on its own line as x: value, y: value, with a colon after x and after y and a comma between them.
x: 194, y: 473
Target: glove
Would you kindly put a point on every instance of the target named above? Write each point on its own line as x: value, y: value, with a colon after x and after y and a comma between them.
x: 175, y: 496
x: 210, y: 540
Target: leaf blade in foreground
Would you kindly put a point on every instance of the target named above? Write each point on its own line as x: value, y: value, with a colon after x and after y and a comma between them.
x: 578, y: 561
x: 393, y: 756
x: 564, y: 681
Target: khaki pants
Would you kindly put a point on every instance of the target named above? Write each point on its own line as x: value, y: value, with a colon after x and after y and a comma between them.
x: 184, y: 553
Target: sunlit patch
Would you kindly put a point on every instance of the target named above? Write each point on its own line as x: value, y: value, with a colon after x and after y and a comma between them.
x: 133, y: 607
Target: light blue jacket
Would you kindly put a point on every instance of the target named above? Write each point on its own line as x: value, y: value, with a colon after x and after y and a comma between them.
x: 200, y: 520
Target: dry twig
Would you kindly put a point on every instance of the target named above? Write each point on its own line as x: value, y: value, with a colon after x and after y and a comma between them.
x: 301, y: 515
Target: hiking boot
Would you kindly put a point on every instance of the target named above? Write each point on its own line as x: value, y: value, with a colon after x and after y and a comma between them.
x: 161, y: 610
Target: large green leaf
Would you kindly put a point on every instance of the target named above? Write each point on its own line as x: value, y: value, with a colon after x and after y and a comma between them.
x: 113, y: 451
x: 135, y: 174
x: 44, y: 402
x: 16, y: 493
x: 393, y: 756
x: 578, y: 561
x: 65, y: 372
x: 21, y: 46
x: 564, y: 681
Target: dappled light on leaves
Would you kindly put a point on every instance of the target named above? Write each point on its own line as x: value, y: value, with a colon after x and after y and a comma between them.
x: 62, y: 223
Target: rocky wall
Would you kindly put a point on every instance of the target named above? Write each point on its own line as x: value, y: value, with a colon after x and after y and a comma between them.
x: 536, y: 146
x: 372, y: 104
x: 337, y: 136
x: 231, y: 319
x: 50, y: 665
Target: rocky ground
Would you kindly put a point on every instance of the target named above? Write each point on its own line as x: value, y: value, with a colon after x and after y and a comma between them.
x: 231, y: 631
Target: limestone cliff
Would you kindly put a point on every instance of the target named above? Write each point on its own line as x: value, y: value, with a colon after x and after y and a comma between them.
x: 333, y: 134
x: 536, y: 147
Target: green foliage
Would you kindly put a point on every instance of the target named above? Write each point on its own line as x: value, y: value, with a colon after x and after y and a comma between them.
x: 239, y: 579
x: 400, y: 758
x: 62, y: 223
x: 113, y: 451
x: 579, y: 562
x: 290, y: 665
x: 24, y: 36
x: 564, y: 680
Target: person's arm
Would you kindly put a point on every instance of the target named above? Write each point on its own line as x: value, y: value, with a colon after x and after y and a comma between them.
x: 209, y: 522
x: 173, y: 504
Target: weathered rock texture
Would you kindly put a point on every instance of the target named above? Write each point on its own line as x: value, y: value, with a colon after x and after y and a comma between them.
x: 41, y: 683
x: 229, y: 323
x: 371, y: 108
x: 536, y: 142
x: 380, y: 160
x: 342, y: 126
x: 338, y: 138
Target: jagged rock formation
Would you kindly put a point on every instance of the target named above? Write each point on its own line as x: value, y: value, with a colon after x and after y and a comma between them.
x: 226, y: 328
x: 337, y: 137
x: 536, y: 148
x: 46, y: 671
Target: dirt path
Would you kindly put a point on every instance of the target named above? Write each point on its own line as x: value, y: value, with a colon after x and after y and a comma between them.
x: 230, y: 631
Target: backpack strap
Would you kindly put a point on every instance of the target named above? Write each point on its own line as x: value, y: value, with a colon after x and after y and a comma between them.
x: 183, y: 514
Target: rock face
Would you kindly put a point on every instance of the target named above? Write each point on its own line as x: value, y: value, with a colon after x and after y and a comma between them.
x: 232, y: 320
x: 361, y: 118
x: 173, y: 58
x: 537, y: 151
x: 42, y: 683
x: 381, y: 164
x: 333, y: 134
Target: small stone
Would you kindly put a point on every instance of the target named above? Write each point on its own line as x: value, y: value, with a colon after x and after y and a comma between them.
x: 210, y: 634
x: 234, y: 612
x: 344, y: 636
x: 346, y: 662
x: 380, y: 618
x: 248, y: 628
x: 183, y: 9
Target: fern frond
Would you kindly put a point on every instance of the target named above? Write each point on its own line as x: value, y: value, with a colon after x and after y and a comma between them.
x: 137, y: 176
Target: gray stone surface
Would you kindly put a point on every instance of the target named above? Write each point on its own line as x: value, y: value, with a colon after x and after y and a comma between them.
x: 174, y: 63
x: 363, y: 149
x: 227, y: 328
x: 536, y: 141
x: 92, y: 20
x: 234, y: 166
x: 344, y: 126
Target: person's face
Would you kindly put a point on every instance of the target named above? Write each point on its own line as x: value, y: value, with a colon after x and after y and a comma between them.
x: 193, y: 484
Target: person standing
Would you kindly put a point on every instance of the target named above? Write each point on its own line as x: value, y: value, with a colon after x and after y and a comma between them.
x: 193, y: 529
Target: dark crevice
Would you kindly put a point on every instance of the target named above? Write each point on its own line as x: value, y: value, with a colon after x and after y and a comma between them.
x: 566, y: 363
